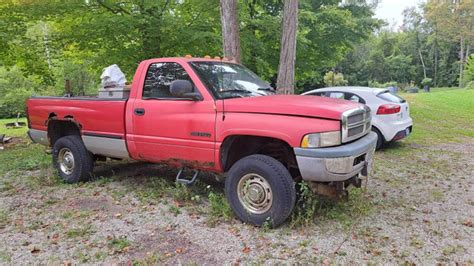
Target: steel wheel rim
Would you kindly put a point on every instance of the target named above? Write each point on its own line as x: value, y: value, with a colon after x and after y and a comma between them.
x: 255, y: 193
x: 66, y: 161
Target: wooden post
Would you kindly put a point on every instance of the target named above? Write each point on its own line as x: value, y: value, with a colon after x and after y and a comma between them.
x: 67, y: 87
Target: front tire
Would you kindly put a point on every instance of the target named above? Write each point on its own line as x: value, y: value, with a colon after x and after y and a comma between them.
x: 260, y: 190
x: 72, y: 160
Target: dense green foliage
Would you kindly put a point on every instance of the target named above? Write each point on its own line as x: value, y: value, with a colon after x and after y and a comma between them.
x: 44, y: 43
x: 48, y: 42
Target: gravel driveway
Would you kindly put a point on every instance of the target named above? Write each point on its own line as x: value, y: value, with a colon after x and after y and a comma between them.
x: 417, y: 208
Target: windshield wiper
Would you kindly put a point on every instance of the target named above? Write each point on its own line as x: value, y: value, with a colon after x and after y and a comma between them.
x: 266, y: 89
x: 235, y: 90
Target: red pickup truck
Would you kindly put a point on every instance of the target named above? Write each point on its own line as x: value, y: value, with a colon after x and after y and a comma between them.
x: 213, y: 115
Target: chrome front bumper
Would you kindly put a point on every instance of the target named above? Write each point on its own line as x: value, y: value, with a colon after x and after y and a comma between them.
x: 337, y: 163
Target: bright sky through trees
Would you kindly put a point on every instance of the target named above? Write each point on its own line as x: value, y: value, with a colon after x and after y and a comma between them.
x: 391, y: 10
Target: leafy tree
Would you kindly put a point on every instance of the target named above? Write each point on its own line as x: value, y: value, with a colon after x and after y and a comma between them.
x: 14, y: 90
x: 469, y: 72
x: 454, y: 21
x: 334, y: 79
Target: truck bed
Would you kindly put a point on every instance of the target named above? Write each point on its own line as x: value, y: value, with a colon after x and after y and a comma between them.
x: 96, y: 116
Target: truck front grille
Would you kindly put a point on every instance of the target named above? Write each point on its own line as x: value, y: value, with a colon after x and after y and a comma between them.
x: 355, y: 123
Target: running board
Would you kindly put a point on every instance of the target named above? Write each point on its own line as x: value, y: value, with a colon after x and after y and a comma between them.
x: 180, y: 177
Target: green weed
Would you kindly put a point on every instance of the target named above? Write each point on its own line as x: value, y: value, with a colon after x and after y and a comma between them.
x: 151, y: 259
x: 3, y: 218
x: 119, y: 243
x: 79, y: 232
x: 306, y: 206
x: 5, y: 257
x: 219, y: 208
x: 174, y: 210
x: 309, y: 206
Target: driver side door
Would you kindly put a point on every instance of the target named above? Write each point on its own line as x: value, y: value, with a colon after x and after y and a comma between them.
x: 171, y: 130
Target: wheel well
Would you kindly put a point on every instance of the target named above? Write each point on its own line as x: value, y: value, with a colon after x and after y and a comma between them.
x: 235, y: 148
x: 60, y: 128
x: 374, y: 128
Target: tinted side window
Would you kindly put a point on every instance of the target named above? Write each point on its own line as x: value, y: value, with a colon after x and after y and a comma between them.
x: 322, y: 93
x: 354, y: 98
x: 159, y: 77
x: 336, y: 95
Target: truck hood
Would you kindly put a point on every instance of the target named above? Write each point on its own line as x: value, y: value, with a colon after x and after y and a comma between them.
x: 298, y: 105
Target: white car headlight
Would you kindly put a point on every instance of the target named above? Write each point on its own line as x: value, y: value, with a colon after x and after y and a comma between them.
x: 325, y: 139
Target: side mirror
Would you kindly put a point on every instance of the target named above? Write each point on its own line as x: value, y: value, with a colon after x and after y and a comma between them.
x: 184, y: 89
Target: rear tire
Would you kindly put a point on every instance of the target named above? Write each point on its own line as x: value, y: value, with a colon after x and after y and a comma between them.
x: 380, y: 139
x: 72, y: 160
x: 260, y: 190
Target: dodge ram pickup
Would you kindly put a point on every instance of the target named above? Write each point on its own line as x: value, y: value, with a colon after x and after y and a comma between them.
x: 205, y: 114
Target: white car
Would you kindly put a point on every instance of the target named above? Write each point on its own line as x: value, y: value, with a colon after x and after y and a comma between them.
x: 390, y: 113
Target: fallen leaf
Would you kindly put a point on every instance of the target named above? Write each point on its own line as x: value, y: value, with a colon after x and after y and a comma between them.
x: 118, y: 215
x: 35, y: 250
x: 468, y: 223
x: 179, y: 250
x: 326, y: 262
x: 246, y: 249
x: 67, y: 263
x: 55, y: 238
x: 168, y: 254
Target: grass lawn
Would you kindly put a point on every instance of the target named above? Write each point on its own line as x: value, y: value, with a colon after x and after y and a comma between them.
x: 443, y: 115
x: 13, y: 132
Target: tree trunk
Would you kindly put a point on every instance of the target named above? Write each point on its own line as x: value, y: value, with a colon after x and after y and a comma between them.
x: 461, y: 62
x: 466, y: 55
x: 230, y: 29
x: 435, y: 78
x: 47, y: 53
x: 422, y: 63
x: 286, y: 68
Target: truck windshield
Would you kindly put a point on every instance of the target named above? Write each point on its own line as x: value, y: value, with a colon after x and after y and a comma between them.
x: 230, y: 80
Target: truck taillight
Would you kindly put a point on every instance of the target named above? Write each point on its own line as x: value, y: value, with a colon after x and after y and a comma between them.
x: 387, y: 109
x: 27, y: 116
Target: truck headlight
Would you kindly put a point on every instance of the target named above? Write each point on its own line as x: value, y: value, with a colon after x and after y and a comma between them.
x: 325, y: 139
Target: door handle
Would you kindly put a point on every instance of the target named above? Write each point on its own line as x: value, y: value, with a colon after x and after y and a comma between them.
x: 139, y: 111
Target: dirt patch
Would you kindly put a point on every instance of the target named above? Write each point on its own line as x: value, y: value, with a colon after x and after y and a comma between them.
x: 12, y: 143
x: 103, y: 204
x: 420, y: 212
